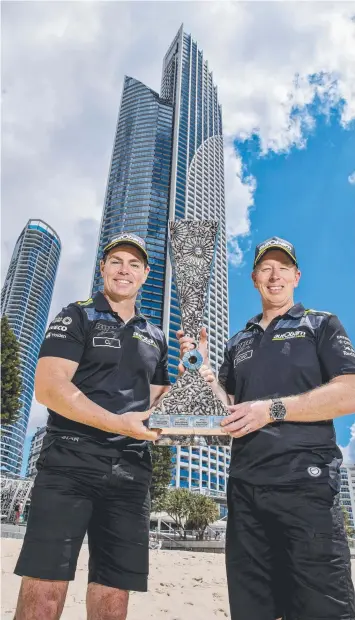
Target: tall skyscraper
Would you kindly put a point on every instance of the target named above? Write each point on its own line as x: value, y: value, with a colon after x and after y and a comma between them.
x: 197, y: 181
x: 26, y: 298
x: 137, y: 195
x: 197, y: 192
x: 167, y: 164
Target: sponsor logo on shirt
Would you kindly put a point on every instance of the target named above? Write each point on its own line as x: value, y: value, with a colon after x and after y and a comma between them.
x: 104, y: 328
x: 145, y: 339
x: 346, y: 345
x: 297, y: 333
x: 58, y: 319
x: 55, y: 335
x: 61, y: 328
x: 242, y: 357
x: 244, y: 344
x: 66, y: 320
x: 107, y: 332
x: 105, y: 341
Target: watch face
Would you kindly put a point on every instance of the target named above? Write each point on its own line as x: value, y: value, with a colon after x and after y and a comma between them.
x: 278, y: 411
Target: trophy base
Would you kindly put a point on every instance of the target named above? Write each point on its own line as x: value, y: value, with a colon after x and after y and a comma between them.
x: 200, y: 425
x: 186, y: 424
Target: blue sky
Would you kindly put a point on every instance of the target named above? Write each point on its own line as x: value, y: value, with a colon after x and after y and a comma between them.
x: 305, y: 197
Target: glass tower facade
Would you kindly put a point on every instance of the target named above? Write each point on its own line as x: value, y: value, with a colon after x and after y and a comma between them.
x: 167, y: 164
x: 25, y: 299
x: 197, y: 192
x: 137, y: 195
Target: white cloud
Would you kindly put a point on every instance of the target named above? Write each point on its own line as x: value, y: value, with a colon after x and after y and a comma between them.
x: 38, y: 417
x: 239, y: 193
x: 351, y: 178
x: 62, y: 73
x: 349, y: 450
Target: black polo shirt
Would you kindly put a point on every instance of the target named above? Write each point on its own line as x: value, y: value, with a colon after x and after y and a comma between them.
x: 298, y: 352
x: 117, y: 363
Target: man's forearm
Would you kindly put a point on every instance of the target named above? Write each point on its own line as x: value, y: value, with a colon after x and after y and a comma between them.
x: 65, y: 398
x: 332, y: 400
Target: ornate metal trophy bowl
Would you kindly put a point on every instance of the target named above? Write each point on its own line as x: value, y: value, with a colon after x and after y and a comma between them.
x: 190, y: 413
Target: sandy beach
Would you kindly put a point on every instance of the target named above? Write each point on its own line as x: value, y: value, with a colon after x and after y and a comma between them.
x: 182, y: 586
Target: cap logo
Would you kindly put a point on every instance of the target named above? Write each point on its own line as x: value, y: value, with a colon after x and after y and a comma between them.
x: 275, y: 242
x: 129, y: 237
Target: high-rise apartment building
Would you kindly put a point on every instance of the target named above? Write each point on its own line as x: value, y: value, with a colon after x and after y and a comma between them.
x: 35, y: 449
x: 137, y: 195
x: 167, y: 164
x: 25, y: 299
x: 347, y: 491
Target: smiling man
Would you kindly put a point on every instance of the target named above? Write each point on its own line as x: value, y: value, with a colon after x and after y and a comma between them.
x: 290, y: 372
x: 102, y: 365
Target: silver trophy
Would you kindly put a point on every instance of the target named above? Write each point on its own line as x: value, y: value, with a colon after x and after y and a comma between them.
x: 190, y: 413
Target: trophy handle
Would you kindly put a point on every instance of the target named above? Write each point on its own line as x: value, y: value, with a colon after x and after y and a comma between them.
x: 192, y: 360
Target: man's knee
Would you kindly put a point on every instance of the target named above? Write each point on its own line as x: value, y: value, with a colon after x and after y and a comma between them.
x: 104, y: 603
x: 40, y: 599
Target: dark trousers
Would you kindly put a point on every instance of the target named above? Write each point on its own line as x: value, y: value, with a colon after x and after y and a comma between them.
x: 287, y: 553
x: 75, y: 493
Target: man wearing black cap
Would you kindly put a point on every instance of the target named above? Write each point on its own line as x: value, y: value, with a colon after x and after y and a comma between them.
x: 102, y: 365
x: 289, y: 373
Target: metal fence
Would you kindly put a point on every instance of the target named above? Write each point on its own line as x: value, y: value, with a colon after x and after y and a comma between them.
x: 14, y: 492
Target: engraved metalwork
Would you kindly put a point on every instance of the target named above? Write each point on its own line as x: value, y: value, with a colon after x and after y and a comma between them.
x: 191, y: 408
x: 192, y: 248
x: 14, y: 491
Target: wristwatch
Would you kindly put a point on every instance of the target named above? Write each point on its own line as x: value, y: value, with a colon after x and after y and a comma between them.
x: 277, y: 410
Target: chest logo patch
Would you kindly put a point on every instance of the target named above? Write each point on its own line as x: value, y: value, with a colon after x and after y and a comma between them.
x: 242, y: 357
x: 314, y: 471
x: 145, y: 339
x: 297, y: 333
x: 104, y: 341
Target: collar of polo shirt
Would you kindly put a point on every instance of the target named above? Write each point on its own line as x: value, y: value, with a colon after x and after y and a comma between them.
x: 102, y: 305
x: 295, y: 312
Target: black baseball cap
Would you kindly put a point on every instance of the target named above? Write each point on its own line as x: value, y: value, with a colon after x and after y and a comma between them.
x: 127, y: 239
x: 275, y: 243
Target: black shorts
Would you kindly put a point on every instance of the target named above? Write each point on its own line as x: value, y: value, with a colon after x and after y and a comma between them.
x: 287, y: 553
x: 77, y: 493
